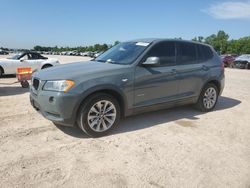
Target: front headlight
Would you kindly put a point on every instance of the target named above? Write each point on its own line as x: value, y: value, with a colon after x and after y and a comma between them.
x: 58, y: 85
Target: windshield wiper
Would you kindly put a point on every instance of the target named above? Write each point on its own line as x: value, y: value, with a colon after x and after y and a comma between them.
x: 105, y: 61
x: 111, y: 61
x: 102, y: 61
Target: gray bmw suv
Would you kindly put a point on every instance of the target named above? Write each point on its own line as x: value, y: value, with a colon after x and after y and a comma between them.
x: 131, y: 77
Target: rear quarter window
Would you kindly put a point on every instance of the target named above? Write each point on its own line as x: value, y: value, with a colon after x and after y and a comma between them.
x: 204, y: 52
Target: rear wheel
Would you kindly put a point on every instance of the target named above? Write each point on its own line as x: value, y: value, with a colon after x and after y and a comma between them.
x: 208, y: 98
x: 99, y: 115
x: 1, y: 72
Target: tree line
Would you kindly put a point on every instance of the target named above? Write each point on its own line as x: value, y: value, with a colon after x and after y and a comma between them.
x: 223, y: 45
x: 220, y: 41
x: 92, y: 48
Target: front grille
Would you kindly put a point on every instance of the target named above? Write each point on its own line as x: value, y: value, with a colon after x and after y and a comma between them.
x: 35, y: 83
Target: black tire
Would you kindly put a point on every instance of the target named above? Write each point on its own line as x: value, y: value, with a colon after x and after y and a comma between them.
x: 25, y: 84
x: 247, y: 66
x: 200, y: 105
x: 1, y: 72
x: 231, y: 65
x: 85, y: 111
x: 47, y: 66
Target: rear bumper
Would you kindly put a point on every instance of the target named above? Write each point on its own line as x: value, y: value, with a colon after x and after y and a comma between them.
x: 222, y: 84
x: 56, y: 106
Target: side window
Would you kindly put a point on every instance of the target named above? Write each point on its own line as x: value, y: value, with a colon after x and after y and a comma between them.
x: 33, y: 56
x: 24, y: 57
x: 186, y: 53
x: 204, y: 53
x: 165, y: 51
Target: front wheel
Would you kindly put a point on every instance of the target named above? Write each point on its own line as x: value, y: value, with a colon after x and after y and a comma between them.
x: 208, y: 98
x: 99, y: 115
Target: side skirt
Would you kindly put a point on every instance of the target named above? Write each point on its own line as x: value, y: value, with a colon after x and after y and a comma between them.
x: 161, y: 106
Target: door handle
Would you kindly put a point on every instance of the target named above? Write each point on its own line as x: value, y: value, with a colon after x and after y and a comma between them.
x: 173, y: 72
x: 205, y: 68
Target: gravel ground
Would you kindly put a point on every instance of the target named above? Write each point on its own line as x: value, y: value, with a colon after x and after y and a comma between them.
x: 178, y: 147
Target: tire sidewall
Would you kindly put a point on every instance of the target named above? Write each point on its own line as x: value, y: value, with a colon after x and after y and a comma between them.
x: 1, y: 72
x: 247, y: 65
x: 84, y: 110
x: 200, y: 103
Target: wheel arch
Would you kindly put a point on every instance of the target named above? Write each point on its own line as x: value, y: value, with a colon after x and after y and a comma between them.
x: 216, y: 83
x: 46, y: 64
x: 1, y: 67
x: 212, y: 81
x: 111, y: 90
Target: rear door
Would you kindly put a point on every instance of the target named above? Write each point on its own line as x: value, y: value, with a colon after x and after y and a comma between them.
x: 159, y: 84
x: 192, y: 69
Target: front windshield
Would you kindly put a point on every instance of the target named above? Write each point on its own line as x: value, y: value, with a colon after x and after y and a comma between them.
x: 16, y: 56
x: 123, y: 53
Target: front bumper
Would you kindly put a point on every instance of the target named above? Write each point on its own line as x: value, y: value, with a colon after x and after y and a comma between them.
x: 58, y: 107
x: 240, y: 65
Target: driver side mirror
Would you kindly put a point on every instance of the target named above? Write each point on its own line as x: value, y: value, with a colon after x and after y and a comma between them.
x: 152, y: 61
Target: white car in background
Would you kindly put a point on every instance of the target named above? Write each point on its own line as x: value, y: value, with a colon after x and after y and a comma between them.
x: 242, y: 62
x: 26, y: 59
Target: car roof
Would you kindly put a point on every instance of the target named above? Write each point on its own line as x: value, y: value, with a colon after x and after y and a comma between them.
x: 155, y: 40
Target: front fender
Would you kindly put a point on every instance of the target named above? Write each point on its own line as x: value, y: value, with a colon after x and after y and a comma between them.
x: 100, y: 88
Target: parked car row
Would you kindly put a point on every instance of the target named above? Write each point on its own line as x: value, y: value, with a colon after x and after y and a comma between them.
x: 234, y: 61
x: 3, y: 52
x: 74, y: 53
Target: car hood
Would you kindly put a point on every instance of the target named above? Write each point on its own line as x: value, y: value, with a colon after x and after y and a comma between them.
x: 5, y: 60
x: 76, y: 70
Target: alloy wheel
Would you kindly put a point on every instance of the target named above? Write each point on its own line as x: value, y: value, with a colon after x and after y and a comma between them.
x: 210, y: 97
x: 101, y: 116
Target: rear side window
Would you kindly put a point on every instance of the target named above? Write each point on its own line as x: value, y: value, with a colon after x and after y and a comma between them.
x: 186, y: 53
x: 204, y: 52
x: 165, y: 51
x: 33, y: 56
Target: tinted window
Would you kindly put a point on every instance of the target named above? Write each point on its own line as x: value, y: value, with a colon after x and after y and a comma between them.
x: 165, y: 51
x: 204, y: 52
x: 34, y: 56
x: 186, y: 53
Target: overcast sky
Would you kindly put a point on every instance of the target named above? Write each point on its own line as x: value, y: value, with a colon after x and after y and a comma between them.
x: 25, y: 23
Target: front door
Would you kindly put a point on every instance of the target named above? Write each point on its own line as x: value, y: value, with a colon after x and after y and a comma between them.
x: 154, y: 85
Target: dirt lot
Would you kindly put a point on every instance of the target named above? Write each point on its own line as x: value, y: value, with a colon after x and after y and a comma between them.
x: 171, y: 148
